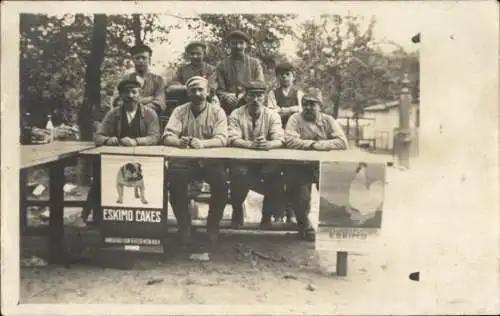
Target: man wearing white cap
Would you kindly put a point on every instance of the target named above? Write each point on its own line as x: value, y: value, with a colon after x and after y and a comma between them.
x: 309, y: 130
x: 194, y: 125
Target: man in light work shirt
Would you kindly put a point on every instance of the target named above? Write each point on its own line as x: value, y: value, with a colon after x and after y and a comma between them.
x: 309, y: 130
x: 254, y: 126
x: 153, y: 86
x: 195, y: 125
x: 236, y: 71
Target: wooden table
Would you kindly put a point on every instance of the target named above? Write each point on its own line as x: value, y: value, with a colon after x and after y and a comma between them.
x: 227, y: 153
x: 55, y: 156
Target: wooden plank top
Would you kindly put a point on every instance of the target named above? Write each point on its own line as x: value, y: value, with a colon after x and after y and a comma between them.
x: 33, y: 155
x: 282, y: 154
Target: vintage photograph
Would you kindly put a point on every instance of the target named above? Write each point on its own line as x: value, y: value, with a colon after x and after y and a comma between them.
x: 105, y: 98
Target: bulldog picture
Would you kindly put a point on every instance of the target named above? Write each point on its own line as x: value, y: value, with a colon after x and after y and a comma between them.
x: 130, y: 175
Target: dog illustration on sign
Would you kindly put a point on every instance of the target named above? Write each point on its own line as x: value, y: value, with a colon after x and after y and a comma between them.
x: 130, y: 175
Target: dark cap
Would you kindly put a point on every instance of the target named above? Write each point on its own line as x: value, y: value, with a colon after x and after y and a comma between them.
x: 238, y: 34
x: 195, y: 44
x: 128, y: 84
x: 284, y: 67
x: 313, y: 94
x: 140, y: 48
x: 256, y: 86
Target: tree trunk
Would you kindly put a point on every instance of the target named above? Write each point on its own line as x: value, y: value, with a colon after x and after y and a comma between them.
x: 92, y: 96
x: 136, y: 28
x: 338, y: 94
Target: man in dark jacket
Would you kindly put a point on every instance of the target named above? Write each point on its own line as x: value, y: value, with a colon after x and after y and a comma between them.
x: 236, y: 71
x: 130, y: 124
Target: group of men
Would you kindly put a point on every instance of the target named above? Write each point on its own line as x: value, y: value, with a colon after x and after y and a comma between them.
x: 228, y: 105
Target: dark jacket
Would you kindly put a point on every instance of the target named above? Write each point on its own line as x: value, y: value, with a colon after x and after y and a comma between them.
x: 149, y: 128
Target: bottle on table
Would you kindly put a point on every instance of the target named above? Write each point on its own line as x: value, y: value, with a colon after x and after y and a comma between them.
x: 50, y: 128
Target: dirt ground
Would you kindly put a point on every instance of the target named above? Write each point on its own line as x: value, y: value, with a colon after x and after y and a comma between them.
x: 242, y: 270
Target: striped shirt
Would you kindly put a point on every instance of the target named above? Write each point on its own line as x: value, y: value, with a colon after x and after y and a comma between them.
x: 243, y: 126
x: 189, y: 70
x: 233, y: 73
x: 210, y: 123
x: 301, y: 134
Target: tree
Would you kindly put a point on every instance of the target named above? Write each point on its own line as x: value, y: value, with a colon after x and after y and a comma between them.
x: 332, y: 50
x: 92, y: 96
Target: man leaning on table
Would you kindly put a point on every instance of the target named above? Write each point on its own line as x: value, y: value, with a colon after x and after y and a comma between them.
x: 254, y: 126
x: 130, y: 124
x: 194, y: 125
x: 309, y: 129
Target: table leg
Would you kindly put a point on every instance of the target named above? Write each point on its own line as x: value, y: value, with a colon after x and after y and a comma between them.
x: 342, y: 263
x: 96, y: 189
x: 56, y: 219
x: 23, y: 216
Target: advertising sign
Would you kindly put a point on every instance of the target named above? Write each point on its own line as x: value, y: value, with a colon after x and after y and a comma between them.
x: 133, y: 208
x: 351, y: 204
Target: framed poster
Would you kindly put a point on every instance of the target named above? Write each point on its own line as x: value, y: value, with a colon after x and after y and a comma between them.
x: 133, y: 201
x: 351, y: 204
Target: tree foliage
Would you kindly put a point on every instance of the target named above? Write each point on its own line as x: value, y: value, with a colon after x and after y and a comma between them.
x: 340, y: 55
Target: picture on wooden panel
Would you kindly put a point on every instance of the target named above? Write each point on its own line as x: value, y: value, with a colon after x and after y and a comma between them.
x: 351, y: 194
x: 132, y: 181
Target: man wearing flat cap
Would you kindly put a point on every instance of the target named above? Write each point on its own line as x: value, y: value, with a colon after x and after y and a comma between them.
x: 309, y: 130
x: 195, y: 125
x: 130, y: 124
x: 236, y: 71
x: 153, y: 86
x: 254, y: 126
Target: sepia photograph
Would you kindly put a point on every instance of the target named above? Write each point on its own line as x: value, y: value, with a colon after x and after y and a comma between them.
x: 192, y: 157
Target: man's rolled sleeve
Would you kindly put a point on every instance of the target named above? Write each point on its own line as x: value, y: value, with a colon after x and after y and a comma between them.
x: 293, y: 139
x: 271, y: 101
x: 220, y: 126
x: 234, y: 128
x: 174, y: 125
x: 276, y: 130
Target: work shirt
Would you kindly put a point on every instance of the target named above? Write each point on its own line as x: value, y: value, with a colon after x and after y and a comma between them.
x: 243, y: 126
x: 205, y: 70
x: 210, y: 123
x: 234, y: 74
x: 301, y: 134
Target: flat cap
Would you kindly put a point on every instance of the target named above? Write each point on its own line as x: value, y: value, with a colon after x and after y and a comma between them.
x: 128, y: 84
x: 238, y: 34
x: 313, y: 94
x: 256, y: 86
x: 140, y: 48
x: 284, y: 67
x: 195, y: 44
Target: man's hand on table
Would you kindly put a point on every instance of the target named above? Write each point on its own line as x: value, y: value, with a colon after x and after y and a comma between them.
x: 261, y: 143
x: 112, y: 141
x: 127, y: 141
x: 319, y: 146
x: 196, y: 143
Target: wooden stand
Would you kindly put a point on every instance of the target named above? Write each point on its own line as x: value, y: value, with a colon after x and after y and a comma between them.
x: 342, y: 263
